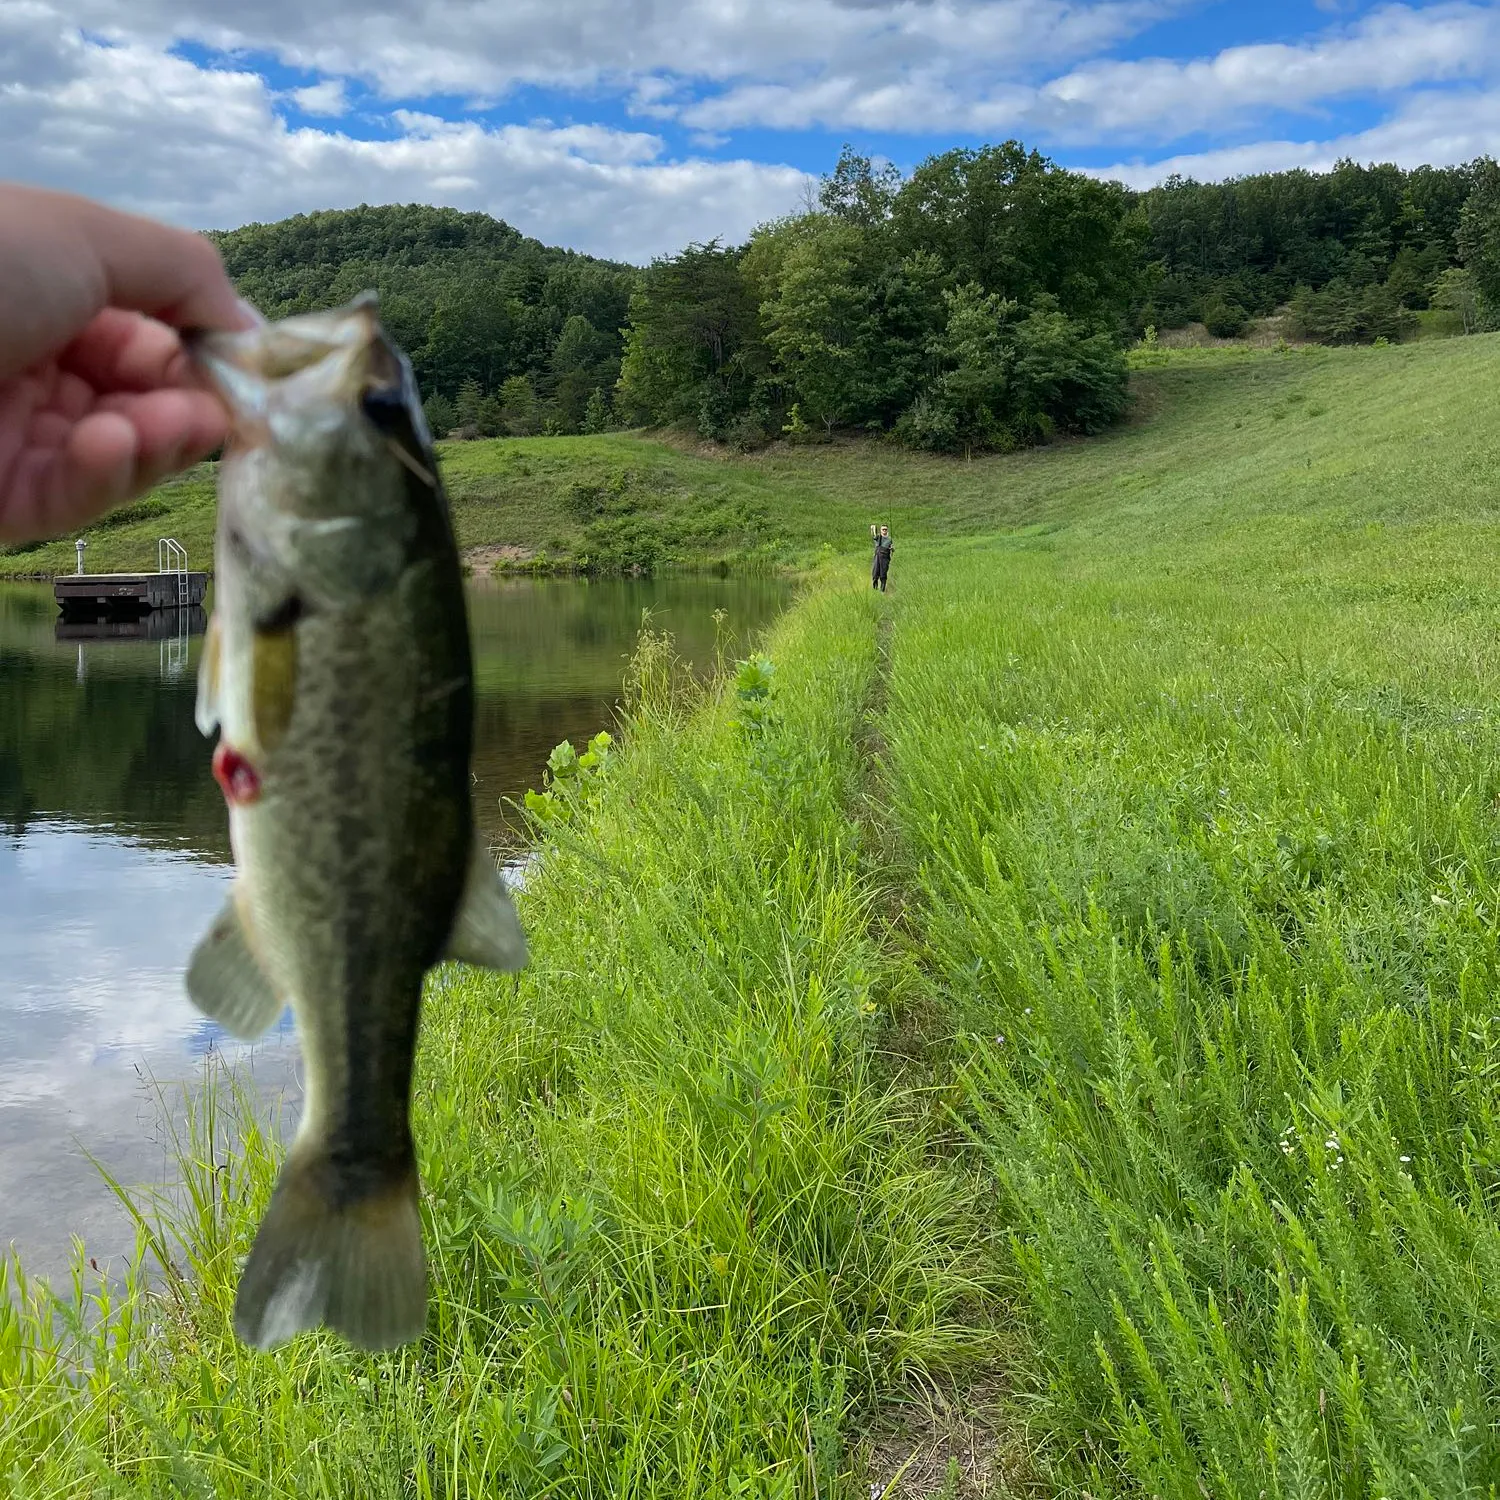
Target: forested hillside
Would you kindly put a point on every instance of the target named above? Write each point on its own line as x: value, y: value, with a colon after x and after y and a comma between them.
x: 1354, y: 251
x: 505, y: 333
x: 982, y: 302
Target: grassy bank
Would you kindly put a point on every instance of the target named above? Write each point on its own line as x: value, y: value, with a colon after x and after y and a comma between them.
x: 1069, y: 994
x: 681, y: 1222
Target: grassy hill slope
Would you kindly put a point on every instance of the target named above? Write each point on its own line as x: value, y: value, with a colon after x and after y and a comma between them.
x: 1216, y: 439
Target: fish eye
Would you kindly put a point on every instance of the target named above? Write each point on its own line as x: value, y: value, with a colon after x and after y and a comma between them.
x: 385, y: 406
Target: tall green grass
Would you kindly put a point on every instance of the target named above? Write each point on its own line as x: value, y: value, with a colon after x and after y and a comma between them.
x: 1208, y: 881
x: 681, y: 1227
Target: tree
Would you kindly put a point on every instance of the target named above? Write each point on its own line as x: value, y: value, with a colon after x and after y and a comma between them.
x: 693, y: 348
x: 820, y: 324
x: 1455, y: 292
x: 1256, y: 239
x: 464, y: 294
x: 470, y: 402
x: 978, y: 356
x: 596, y: 413
x: 1064, y: 377
x: 1479, y: 232
x: 1406, y: 282
x: 1008, y: 381
x: 583, y: 360
x: 1018, y: 226
x: 519, y: 414
x: 858, y: 191
x: 441, y: 414
x: 1343, y: 314
x: 470, y: 335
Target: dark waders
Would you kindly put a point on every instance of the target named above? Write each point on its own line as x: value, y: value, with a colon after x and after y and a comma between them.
x: 880, y: 567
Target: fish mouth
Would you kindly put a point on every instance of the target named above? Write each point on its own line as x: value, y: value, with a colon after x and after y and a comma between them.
x: 338, y: 357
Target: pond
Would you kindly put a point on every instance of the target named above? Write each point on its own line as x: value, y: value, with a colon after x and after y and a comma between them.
x: 114, y: 856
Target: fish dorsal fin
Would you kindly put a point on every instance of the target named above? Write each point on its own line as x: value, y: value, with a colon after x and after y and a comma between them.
x: 487, y: 931
x: 225, y: 980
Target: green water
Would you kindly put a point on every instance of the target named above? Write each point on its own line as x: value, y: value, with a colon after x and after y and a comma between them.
x: 114, y: 853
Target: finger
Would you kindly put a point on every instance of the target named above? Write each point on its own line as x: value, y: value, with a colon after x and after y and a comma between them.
x: 70, y: 396
x: 173, y: 275
x: 111, y: 456
x: 173, y: 429
x: 48, y: 429
x: 59, y: 490
x: 63, y: 259
x: 126, y: 351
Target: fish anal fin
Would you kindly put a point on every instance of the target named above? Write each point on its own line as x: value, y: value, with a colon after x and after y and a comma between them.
x: 357, y: 1267
x: 206, y: 711
x: 225, y: 980
x: 487, y: 931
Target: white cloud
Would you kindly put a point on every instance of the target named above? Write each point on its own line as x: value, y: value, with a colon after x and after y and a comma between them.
x: 134, y: 125
x: 1431, y: 128
x: 138, y: 124
x: 408, y: 48
x: 1388, y: 50
x: 325, y: 98
x: 1391, y: 49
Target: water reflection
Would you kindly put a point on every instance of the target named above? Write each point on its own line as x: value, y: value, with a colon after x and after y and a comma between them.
x: 157, y: 625
x: 114, y: 854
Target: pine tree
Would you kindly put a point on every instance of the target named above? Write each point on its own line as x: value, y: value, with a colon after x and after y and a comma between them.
x: 596, y: 414
x: 470, y: 403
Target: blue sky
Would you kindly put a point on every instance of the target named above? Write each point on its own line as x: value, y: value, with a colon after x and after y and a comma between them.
x: 628, y: 127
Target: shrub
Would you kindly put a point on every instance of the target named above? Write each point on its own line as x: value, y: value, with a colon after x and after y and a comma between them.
x: 746, y: 433
x: 441, y: 414
x: 1224, y: 319
x: 927, y: 424
x: 1065, y: 378
x: 143, y: 510
x: 1344, y: 314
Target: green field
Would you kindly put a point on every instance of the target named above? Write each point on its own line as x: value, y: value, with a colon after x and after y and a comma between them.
x: 1046, y: 1047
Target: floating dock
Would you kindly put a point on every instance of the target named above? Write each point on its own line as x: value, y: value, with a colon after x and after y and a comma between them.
x: 127, y: 593
x: 94, y: 595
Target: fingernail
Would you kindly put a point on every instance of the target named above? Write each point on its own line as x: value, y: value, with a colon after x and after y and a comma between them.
x: 251, y: 313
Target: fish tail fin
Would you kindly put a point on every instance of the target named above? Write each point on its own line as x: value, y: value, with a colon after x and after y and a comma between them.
x: 355, y: 1266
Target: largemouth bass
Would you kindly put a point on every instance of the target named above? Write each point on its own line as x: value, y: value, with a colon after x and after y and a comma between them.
x: 337, y: 671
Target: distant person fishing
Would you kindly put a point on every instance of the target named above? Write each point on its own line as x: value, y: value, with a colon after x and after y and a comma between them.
x: 880, y: 565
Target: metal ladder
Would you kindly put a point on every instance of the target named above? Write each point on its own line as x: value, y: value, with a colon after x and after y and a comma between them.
x: 171, y: 557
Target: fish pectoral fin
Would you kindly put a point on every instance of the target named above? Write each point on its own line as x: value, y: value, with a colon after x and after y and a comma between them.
x: 358, y: 1267
x: 487, y: 931
x: 206, y: 711
x: 225, y: 980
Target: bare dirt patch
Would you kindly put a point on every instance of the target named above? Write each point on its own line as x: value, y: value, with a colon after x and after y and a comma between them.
x: 954, y: 1444
x: 483, y: 559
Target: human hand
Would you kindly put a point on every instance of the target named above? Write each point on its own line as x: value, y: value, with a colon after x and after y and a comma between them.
x: 97, y: 402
